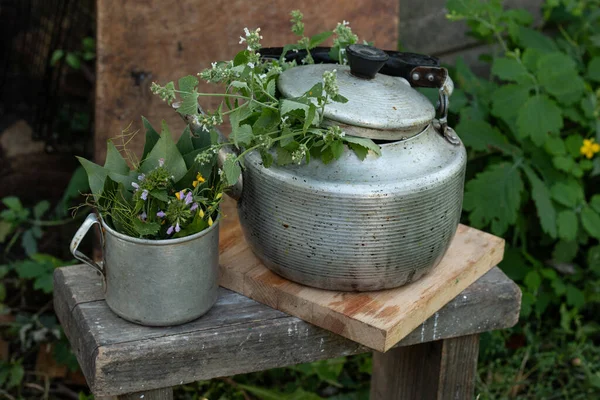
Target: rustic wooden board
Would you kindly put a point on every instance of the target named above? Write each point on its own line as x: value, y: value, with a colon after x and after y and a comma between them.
x: 162, y: 40
x: 238, y: 335
x: 378, y: 320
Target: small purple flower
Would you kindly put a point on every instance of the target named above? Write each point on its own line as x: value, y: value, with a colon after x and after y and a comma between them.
x: 170, y: 230
x: 161, y: 162
x: 161, y: 214
x: 141, y: 177
x: 194, y: 207
x: 136, y: 186
x: 144, y: 194
x: 188, y: 198
x: 143, y: 216
x: 177, y: 227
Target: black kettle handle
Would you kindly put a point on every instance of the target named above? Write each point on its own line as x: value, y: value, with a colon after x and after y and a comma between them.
x: 418, y: 69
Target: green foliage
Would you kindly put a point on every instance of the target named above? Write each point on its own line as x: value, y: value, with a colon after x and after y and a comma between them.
x: 283, y: 130
x: 74, y: 59
x: 174, y: 182
x: 531, y: 132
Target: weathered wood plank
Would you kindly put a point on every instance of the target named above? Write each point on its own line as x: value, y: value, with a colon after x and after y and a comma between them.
x: 375, y: 319
x: 162, y: 40
x: 440, y: 370
x: 117, y: 362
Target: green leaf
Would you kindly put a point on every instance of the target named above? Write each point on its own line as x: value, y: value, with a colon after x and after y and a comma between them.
x: 494, y: 197
x: 573, y: 143
x: 509, y: 69
x: 337, y: 148
x: 364, y: 142
x: 479, y: 135
x: 311, y: 117
x: 114, y: 161
x: 287, y: 106
x: 555, y: 146
x: 239, y: 116
x: 593, y: 69
x: 563, y: 163
x: 591, y: 221
x: 360, y: 151
x: 271, y: 87
x: 17, y: 372
x: 152, y: 138
x: 541, y: 197
x: 29, y: 242
x: 319, y: 38
x: 565, y: 251
x: 185, y: 144
x: 284, y: 157
x: 565, y: 194
x: 533, y: 280
x: 539, y: 117
x: 160, y: 195
x: 529, y: 38
x: 166, y: 149
x: 13, y: 203
x: 44, y: 283
x: 56, y: 56
x: 73, y: 60
x: 145, y: 228
x: 188, y: 83
x: 40, y: 209
x: 593, y: 259
x: 557, y: 73
x: 232, y: 170
x: 567, y: 225
x: 267, y: 122
x: 595, y: 202
x: 575, y: 297
x: 189, y: 103
x: 507, y: 100
x: 530, y: 58
x: 266, y: 157
x: 5, y: 230
x: 242, y: 136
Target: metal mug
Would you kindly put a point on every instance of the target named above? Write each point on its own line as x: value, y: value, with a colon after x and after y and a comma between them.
x: 156, y: 282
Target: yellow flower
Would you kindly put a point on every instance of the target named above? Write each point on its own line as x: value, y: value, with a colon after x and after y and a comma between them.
x: 589, y: 148
x: 219, y: 196
x: 210, y: 221
x: 201, y: 212
x: 199, y: 179
x: 180, y: 194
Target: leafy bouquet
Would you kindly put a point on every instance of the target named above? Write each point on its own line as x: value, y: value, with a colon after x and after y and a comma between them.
x: 170, y: 193
x: 291, y: 129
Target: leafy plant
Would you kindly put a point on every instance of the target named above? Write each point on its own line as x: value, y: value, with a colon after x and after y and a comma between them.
x: 171, y: 193
x: 260, y: 119
x: 74, y: 59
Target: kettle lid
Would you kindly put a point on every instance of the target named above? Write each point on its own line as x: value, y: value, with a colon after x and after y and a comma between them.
x: 379, y: 106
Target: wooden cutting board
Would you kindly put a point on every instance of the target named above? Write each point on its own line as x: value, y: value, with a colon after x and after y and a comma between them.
x: 378, y: 320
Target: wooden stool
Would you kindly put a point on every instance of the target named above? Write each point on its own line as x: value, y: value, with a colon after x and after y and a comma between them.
x: 438, y: 360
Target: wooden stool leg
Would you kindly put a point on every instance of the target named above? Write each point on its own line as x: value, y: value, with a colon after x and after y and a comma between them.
x: 441, y: 370
x: 157, y: 394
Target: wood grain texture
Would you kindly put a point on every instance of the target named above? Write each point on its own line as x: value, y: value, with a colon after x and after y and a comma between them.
x: 162, y: 40
x: 378, y: 320
x: 440, y: 370
x: 237, y: 335
x: 159, y: 394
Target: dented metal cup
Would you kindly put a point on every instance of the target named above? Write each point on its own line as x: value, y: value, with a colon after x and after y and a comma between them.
x: 156, y: 282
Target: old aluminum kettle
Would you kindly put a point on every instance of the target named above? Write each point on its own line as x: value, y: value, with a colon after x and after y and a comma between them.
x: 361, y: 225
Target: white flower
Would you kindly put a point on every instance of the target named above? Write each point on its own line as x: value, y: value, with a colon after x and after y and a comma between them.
x: 344, y: 22
x: 251, y: 65
x: 242, y: 40
x: 262, y: 76
x: 213, y: 64
x: 247, y: 32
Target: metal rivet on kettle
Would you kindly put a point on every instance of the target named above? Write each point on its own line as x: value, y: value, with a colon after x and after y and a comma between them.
x: 430, y: 77
x: 416, y: 76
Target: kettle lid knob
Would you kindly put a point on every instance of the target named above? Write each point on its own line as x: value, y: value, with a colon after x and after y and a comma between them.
x: 365, y: 61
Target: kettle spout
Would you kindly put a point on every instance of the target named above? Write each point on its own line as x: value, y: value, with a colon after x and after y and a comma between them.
x: 234, y: 191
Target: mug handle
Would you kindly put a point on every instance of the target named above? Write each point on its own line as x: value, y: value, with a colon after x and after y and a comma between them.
x: 90, y: 220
